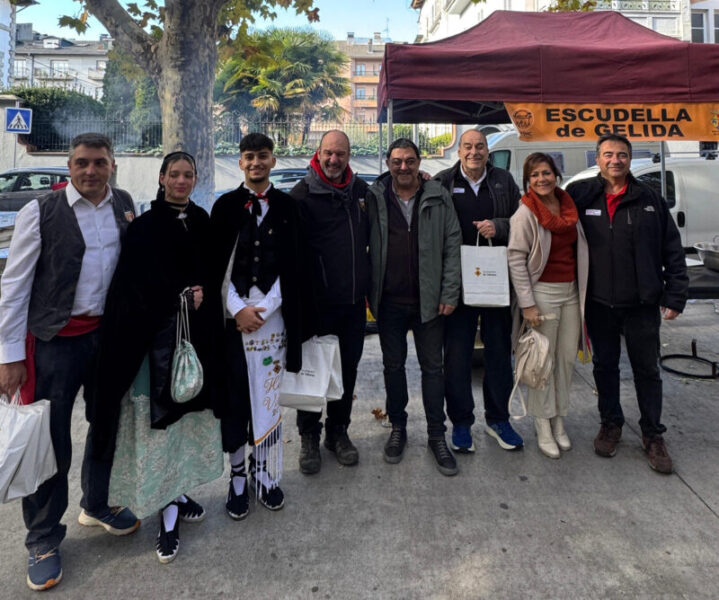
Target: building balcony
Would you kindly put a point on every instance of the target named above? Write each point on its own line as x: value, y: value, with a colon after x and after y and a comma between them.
x: 96, y: 73
x: 639, y: 5
x: 21, y: 74
x: 52, y: 74
x: 456, y: 6
x: 365, y: 102
x: 368, y: 77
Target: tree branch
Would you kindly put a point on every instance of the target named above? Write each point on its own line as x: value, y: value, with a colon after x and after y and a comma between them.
x: 126, y: 31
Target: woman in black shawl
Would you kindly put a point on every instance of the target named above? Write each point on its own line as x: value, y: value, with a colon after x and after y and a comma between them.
x: 162, y: 448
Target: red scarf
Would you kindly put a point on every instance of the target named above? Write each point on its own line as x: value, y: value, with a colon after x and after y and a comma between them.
x: 315, y: 164
x: 565, y: 221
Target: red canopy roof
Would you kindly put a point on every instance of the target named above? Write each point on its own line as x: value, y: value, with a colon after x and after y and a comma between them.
x: 542, y: 57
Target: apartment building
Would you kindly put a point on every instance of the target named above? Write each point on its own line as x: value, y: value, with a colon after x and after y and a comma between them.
x: 705, y: 21
x: 365, y: 61
x: 42, y: 60
x: 439, y: 19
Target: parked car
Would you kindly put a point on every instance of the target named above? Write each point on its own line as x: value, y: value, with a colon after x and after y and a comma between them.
x: 19, y: 186
x: 691, y: 193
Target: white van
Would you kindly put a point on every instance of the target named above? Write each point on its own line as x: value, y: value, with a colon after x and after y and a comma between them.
x: 508, y: 152
x: 692, y: 193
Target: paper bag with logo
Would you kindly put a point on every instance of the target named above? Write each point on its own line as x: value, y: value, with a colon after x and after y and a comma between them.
x: 485, y: 276
x: 319, y: 380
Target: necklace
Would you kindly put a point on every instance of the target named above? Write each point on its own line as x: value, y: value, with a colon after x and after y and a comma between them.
x: 180, y: 208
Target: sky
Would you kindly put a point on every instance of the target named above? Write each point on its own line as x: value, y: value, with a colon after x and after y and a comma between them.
x: 393, y: 18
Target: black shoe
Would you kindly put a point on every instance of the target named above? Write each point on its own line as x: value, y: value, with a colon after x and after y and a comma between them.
x: 271, y: 498
x: 168, y: 542
x: 337, y: 441
x: 238, y: 506
x: 190, y: 511
x: 446, y: 462
x: 394, y: 448
x: 310, y: 460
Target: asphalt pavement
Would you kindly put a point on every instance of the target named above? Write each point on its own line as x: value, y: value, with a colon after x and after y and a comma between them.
x: 510, y: 525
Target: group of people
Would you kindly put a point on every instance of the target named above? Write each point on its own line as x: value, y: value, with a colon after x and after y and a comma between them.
x: 91, y: 297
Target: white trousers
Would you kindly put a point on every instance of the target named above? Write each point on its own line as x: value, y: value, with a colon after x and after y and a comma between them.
x: 562, y: 299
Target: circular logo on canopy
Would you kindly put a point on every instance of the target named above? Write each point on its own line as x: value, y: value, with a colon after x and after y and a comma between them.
x: 523, y: 119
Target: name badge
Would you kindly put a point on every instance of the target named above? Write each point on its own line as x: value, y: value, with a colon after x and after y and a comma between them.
x: 458, y: 190
x: 593, y: 212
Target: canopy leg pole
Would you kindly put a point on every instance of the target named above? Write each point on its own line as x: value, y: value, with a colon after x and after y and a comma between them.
x: 662, y: 157
x: 379, y: 147
x: 390, y: 122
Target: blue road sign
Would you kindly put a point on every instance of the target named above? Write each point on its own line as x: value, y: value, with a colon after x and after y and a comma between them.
x: 18, y: 120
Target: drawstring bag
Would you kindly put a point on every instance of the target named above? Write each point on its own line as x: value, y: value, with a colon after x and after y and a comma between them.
x: 186, y: 377
x: 533, y: 362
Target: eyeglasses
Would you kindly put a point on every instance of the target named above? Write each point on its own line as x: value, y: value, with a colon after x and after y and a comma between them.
x: 397, y: 162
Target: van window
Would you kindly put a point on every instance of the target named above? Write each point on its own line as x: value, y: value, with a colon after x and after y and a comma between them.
x: 500, y: 158
x: 558, y: 158
x: 654, y: 181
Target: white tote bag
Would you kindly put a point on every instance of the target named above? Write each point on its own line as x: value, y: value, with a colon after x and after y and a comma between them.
x: 485, y: 276
x: 27, y: 457
x: 320, y: 378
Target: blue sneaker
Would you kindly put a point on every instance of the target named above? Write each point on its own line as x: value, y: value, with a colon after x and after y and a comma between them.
x: 506, y: 437
x: 462, y: 439
x: 43, y: 569
x: 118, y: 520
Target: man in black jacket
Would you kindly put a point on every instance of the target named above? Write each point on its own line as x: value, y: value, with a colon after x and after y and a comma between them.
x: 637, y: 273
x: 485, y: 197
x: 335, y: 236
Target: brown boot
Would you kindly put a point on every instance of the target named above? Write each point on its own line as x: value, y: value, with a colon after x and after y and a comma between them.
x: 605, y: 444
x: 657, y: 454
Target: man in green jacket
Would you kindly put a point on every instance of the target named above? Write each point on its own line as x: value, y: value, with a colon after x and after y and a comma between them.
x: 414, y: 252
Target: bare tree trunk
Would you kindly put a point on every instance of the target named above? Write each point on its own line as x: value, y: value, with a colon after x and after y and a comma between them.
x: 182, y: 65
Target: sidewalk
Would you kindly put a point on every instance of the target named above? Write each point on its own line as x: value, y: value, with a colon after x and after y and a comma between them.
x: 510, y: 525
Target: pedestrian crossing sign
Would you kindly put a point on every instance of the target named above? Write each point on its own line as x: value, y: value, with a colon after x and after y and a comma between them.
x: 18, y: 120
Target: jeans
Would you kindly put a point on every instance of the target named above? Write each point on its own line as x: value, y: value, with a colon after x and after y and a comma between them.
x: 496, y: 333
x: 640, y: 327
x: 347, y: 322
x: 63, y: 365
x: 393, y: 322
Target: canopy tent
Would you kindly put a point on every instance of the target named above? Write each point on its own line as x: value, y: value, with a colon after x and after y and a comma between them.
x: 541, y: 57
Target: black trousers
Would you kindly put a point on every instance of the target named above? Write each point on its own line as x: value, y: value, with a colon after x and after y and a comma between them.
x: 236, y: 425
x: 394, y: 322
x: 496, y: 332
x: 63, y: 365
x: 347, y: 322
x: 640, y: 327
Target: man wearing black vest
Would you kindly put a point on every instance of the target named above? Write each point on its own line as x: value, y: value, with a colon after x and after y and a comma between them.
x: 257, y: 258
x: 637, y: 275
x: 485, y: 197
x: 331, y: 203
x: 414, y: 251
x: 62, y: 258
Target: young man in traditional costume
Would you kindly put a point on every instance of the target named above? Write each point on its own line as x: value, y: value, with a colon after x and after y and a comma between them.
x: 255, y: 233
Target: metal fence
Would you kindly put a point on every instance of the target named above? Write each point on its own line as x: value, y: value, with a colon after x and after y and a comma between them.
x: 291, y: 137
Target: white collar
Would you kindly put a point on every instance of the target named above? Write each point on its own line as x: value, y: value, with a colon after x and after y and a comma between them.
x: 73, y: 195
x: 470, y: 180
x: 254, y: 193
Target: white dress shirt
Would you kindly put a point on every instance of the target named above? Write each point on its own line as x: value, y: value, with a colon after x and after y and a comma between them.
x: 102, y: 249
x: 474, y: 184
x: 234, y: 303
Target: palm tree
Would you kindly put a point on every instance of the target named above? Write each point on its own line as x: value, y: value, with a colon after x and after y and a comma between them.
x: 289, y: 75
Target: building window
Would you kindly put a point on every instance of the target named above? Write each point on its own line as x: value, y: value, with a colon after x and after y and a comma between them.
x: 716, y: 27
x: 360, y: 94
x: 59, y: 67
x: 19, y: 68
x: 698, y: 27
x: 101, y: 65
x: 360, y: 69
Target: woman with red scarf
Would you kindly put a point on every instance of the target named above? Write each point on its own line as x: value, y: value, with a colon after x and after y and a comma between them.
x: 548, y: 261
